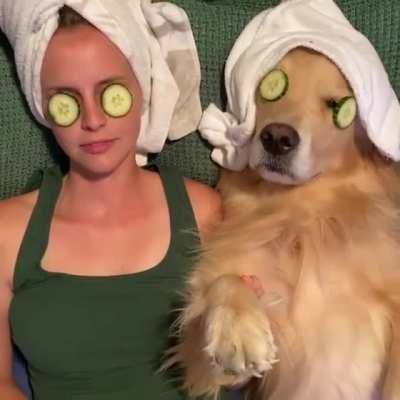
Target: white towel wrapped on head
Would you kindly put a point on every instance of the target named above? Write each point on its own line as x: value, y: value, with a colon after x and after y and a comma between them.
x: 156, y: 39
x: 318, y: 25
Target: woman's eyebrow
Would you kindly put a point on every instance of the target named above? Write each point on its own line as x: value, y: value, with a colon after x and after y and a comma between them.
x: 110, y: 80
x: 61, y: 89
x: 74, y: 90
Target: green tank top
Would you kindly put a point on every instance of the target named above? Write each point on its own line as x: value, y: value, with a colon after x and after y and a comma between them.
x: 99, y: 338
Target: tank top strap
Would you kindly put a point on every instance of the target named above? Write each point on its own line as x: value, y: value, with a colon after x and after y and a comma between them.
x: 34, y: 242
x: 184, y: 228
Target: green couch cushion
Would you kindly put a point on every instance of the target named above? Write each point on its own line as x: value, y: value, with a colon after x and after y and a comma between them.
x: 25, y: 147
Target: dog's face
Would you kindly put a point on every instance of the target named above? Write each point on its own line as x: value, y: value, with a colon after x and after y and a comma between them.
x: 296, y: 138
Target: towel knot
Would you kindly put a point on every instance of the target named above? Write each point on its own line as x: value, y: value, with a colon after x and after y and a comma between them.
x: 229, y: 137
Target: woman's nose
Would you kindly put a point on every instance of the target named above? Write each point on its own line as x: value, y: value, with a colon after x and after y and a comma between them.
x: 92, y: 116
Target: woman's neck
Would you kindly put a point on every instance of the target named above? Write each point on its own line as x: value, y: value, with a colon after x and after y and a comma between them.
x: 107, y: 197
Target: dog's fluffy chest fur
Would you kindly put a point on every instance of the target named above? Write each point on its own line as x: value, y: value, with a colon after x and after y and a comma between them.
x: 345, y: 229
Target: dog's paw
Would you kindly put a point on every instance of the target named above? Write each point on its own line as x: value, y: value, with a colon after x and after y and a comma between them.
x: 239, y: 344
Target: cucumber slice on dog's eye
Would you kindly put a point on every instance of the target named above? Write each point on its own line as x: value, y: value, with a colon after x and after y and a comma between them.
x: 344, y: 112
x: 63, y: 109
x: 274, y: 85
x: 116, y: 100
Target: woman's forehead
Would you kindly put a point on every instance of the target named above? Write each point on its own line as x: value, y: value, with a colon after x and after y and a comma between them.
x: 83, y: 39
x: 81, y: 50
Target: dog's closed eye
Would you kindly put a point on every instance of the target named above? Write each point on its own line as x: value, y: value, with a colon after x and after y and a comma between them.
x: 331, y: 103
x: 344, y: 111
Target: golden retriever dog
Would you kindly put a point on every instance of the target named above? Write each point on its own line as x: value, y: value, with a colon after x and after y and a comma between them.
x: 316, y: 219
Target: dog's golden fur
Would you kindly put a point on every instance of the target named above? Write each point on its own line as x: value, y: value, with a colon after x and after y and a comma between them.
x: 326, y: 247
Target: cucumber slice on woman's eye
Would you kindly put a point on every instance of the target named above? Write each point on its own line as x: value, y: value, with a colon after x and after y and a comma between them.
x: 274, y: 85
x: 345, y: 112
x: 116, y: 100
x: 63, y: 109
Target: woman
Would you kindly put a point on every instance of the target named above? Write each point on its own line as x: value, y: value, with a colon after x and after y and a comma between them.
x: 90, y: 265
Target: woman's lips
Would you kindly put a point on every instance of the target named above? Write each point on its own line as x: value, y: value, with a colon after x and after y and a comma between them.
x: 98, y: 147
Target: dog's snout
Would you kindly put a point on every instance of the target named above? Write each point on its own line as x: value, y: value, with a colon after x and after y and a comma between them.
x: 279, y: 139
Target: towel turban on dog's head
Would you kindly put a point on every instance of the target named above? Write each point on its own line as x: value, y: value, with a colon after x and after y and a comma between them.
x: 318, y: 25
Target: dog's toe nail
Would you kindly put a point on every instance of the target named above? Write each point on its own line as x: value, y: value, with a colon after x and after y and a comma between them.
x: 252, y: 366
x: 234, y: 349
x: 230, y: 372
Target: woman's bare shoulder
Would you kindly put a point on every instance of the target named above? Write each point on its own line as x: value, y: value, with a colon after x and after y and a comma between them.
x: 206, y: 203
x: 14, y: 217
x: 16, y: 209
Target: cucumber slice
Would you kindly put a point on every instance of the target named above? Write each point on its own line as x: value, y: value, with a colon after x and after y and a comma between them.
x: 116, y: 100
x: 63, y: 109
x: 344, y: 112
x: 274, y: 85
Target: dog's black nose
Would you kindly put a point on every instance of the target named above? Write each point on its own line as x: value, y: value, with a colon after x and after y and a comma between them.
x: 279, y: 139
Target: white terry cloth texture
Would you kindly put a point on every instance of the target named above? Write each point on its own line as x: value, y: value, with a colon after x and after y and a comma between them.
x: 157, y: 40
x: 316, y: 24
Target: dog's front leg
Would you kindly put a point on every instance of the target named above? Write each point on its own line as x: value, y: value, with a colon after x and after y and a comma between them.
x: 391, y: 390
x: 238, y: 336
x: 230, y: 340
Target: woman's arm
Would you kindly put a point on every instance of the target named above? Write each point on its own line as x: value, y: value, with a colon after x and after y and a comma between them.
x: 10, y: 391
x: 206, y: 203
x: 8, y: 388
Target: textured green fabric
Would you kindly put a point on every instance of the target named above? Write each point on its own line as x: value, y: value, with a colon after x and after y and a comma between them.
x: 216, y: 24
x: 98, y: 338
